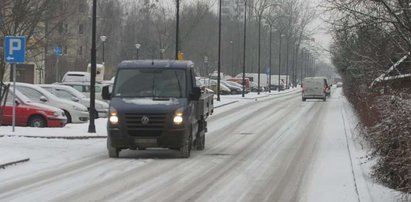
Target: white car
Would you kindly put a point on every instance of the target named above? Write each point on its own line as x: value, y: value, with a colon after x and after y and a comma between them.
x: 69, y: 93
x: 75, y: 112
x: 72, y: 76
x: 84, y: 87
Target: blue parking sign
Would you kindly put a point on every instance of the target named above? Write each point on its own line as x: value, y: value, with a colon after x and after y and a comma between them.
x: 14, y: 49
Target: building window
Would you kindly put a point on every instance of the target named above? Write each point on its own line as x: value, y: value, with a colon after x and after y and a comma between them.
x: 81, y: 29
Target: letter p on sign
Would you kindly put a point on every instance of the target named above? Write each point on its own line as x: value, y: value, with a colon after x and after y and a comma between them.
x: 15, y: 45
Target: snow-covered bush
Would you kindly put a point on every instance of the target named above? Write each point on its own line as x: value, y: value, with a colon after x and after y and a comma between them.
x: 390, y: 140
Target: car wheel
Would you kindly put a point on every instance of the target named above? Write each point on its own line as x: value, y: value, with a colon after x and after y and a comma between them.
x: 113, y: 152
x: 68, y: 116
x: 185, y: 150
x: 37, y: 121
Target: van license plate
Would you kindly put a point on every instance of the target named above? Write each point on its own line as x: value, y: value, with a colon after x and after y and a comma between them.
x: 145, y: 141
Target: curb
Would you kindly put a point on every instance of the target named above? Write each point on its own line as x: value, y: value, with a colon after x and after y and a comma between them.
x: 3, y: 166
x: 225, y: 104
x: 59, y: 137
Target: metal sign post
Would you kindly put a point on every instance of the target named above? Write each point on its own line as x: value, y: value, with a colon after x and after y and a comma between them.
x: 58, y: 53
x: 14, y: 52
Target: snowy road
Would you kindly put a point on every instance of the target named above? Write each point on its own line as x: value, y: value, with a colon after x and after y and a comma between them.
x: 274, y: 149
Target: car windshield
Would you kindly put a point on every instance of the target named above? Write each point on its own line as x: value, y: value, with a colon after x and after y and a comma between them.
x: 150, y: 83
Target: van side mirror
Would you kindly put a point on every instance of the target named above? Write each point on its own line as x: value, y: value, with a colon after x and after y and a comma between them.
x: 105, y: 93
x: 43, y: 99
x: 195, y: 95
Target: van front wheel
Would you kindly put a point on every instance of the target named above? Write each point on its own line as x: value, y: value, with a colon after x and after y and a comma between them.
x: 113, y: 152
x: 185, y: 149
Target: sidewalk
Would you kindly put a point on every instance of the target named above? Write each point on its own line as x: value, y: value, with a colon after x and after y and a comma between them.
x: 8, y: 157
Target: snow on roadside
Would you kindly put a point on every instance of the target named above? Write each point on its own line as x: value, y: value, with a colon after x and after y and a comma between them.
x: 8, y: 157
x: 368, y: 189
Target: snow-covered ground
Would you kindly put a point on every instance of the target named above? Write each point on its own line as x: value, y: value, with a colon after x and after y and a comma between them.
x: 326, y: 165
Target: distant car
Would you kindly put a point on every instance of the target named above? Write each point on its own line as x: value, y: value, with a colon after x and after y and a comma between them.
x: 84, y: 87
x: 69, y: 93
x: 233, y: 88
x: 240, y: 81
x: 73, y: 76
x: 31, y: 114
x: 339, y: 84
x: 75, y: 112
x: 254, y: 87
x: 224, y: 90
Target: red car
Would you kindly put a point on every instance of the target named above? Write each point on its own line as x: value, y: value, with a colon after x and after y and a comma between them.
x: 32, y: 114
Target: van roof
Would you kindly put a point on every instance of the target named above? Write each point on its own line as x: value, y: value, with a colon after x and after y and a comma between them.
x: 183, y: 64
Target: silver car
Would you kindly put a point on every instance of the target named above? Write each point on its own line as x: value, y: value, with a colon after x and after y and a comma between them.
x: 69, y: 93
x: 75, y: 112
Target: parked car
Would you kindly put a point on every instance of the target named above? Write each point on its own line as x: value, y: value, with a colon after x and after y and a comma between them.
x: 84, y: 87
x: 240, y: 81
x: 204, y: 88
x: 72, y: 76
x: 254, y: 87
x: 75, y: 112
x: 31, y: 114
x: 69, y: 93
x: 233, y: 88
x: 224, y: 90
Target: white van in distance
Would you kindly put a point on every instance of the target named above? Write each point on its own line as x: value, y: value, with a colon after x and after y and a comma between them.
x: 314, y: 88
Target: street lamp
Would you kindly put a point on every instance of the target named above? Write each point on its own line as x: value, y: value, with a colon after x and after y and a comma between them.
x: 177, y: 28
x: 232, y: 57
x: 245, y: 40
x: 279, y: 60
x: 219, y: 51
x: 103, y: 39
x: 92, y: 126
x: 137, y: 50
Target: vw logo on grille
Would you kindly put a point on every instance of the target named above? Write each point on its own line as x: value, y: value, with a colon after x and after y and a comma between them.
x: 145, y: 120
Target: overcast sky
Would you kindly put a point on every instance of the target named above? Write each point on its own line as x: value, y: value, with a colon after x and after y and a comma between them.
x: 322, y: 36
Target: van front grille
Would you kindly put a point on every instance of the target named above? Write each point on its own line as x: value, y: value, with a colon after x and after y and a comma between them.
x: 145, y: 124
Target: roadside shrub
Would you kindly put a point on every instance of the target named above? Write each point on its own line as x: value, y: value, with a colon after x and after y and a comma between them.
x: 390, y: 140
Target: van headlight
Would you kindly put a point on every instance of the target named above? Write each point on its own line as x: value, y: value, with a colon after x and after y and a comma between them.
x: 178, y: 116
x: 113, y: 117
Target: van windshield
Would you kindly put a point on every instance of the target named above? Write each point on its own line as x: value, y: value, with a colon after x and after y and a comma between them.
x: 162, y: 83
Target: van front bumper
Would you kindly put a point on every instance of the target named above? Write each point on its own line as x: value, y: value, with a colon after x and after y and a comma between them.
x: 172, y: 138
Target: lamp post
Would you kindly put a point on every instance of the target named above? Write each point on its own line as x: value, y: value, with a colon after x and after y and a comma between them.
x: 91, y: 126
x: 103, y: 39
x: 269, y: 58
x: 279, y: 60
x: 245, y: 40
x: 232, y: 57
x: 177, y: 28
x: 219, y: 51
x: 259, y: 54
x: 137, y: 50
